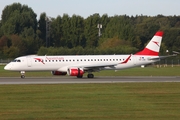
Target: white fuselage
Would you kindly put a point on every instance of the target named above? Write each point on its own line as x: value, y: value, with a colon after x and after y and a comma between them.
x: 62, y: 63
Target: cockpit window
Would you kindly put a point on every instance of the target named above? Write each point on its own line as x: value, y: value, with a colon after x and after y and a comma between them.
x: 13, y: 61
x: 16, y: 60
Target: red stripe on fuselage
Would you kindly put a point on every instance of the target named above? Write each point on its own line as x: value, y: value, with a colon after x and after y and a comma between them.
x: 126, y: 60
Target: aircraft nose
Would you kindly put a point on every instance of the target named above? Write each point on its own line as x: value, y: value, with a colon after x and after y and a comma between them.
x: 7, y: 67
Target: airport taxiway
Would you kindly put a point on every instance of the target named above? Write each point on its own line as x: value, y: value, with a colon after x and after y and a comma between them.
x: 74, y: 80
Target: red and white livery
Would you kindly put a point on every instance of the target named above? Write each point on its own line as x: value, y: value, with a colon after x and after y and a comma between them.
x: 80, y: 64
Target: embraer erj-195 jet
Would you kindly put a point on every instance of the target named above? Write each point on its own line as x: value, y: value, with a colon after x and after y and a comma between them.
x: 77, y: 65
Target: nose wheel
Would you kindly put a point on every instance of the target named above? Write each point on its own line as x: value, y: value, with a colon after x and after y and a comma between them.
x: 22, y: 74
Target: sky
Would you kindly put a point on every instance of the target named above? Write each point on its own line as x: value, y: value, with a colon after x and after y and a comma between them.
x: 85, y: 8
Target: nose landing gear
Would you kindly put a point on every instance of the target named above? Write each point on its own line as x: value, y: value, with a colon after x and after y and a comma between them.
x: 22, y: 74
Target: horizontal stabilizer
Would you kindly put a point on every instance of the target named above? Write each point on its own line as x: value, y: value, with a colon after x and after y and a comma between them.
x: 162, y: 57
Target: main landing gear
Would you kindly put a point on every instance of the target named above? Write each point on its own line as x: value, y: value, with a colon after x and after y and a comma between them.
x: 79, y: 76
x: 22, y: 74
x: 90, y: 75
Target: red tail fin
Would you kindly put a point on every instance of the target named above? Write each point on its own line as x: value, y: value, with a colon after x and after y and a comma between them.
x: 153, y: 46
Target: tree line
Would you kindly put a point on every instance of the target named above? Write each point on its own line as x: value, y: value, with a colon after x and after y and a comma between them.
x: 21, y: 33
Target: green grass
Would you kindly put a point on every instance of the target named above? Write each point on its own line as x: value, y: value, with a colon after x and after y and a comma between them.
x: 130, y: 101
x: 138, y: 71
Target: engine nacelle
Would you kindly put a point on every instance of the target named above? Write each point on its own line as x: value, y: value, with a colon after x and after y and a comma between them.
x: 58, y: 73
x: 75, y: 71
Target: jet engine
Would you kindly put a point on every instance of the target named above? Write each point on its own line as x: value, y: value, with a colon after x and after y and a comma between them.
x: 58, y: 73
x: 75, y: 72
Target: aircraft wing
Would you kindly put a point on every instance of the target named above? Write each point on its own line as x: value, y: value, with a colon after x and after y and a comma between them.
x: 95, y: 65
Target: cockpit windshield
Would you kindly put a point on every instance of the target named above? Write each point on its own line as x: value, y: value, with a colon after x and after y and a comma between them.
x: 16, y: 60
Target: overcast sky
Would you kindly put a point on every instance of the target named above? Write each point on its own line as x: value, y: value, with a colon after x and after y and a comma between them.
x: 85, y: 8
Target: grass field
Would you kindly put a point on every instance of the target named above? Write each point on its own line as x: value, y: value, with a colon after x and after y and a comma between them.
x: 130, y: 101
x: 138, y: 71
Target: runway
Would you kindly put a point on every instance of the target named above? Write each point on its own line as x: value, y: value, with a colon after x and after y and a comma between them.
x: 74, y: 80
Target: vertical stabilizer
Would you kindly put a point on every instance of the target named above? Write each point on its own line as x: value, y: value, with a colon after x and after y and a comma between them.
x: 153, y: 46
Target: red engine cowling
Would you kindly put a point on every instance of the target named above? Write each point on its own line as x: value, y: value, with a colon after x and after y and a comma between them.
x: 58, y: 73
x: 75, y: 71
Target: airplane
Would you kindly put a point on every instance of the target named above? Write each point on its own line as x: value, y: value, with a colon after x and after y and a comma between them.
x: 77, y: 65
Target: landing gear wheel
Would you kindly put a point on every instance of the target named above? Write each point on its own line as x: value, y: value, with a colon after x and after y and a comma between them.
x: 22, y: 76
x: 90, y: 76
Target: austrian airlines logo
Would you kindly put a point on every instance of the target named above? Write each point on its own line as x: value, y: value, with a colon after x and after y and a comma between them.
x: 157, y: 43
x: 39, y: 59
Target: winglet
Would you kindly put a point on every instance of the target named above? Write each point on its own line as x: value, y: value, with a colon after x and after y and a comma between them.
x: 159, y: 33
x: 153, y: 46
x: 125, y: 61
